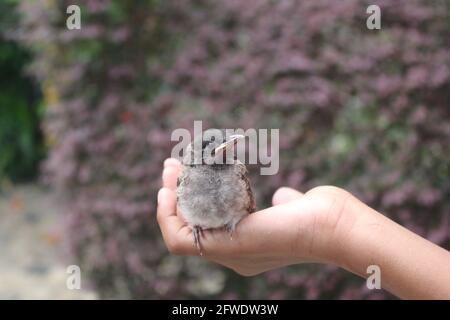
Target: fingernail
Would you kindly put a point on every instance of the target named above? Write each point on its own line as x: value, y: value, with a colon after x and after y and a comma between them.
x: 166, y: 163
x: 163, y: 172
x: 170, y: 162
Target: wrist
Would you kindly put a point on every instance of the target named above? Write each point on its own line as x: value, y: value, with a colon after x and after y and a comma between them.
x: 364, y: 239
x: 336, y: 213
x: 347, y: 224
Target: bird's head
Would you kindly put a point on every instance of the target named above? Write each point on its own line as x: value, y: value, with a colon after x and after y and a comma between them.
x: 212, y: 148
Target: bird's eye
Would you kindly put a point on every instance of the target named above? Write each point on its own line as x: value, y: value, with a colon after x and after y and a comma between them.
x: 213, y: 138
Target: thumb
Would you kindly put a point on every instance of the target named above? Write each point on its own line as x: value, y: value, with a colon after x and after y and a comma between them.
x: 284, y: 195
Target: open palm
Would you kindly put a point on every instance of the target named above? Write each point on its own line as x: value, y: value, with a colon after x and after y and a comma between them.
x: 298, y: 228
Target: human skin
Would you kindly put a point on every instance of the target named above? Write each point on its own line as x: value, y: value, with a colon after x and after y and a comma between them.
x: 324, y: 225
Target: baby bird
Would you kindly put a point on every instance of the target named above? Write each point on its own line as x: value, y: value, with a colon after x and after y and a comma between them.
x: 213, y: 189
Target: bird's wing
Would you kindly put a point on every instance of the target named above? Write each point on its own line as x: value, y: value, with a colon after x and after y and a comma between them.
x: 181, y: 180
x: 242, y: 171
x: 182, y: 177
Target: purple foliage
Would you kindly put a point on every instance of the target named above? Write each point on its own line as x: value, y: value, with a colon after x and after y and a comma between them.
x: 365, y: 110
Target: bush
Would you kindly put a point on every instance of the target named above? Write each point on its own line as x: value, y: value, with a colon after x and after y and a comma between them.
x: 364, y: 110
x: 20, y: 137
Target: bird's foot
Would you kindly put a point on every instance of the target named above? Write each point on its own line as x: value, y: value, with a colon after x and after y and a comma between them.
x: 230, y: 229
x: 197, y: 232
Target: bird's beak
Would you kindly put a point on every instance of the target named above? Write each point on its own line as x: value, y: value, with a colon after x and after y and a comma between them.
x: 229, y: 143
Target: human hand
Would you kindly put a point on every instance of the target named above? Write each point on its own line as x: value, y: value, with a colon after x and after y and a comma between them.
x: 298, y: 228
x: 326, y: 224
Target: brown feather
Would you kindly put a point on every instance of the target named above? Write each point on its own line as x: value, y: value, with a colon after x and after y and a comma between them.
x: 244, y: 176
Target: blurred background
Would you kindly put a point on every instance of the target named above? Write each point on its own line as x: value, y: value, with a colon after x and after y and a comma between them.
x: 86, y: 117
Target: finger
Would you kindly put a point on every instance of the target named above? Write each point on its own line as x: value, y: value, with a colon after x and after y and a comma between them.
x: 170, y: 176
x: 171, y: 162
x: 176, y: 234
x: 284, y: 195
x: 167, y: 205
x: 255, y: 234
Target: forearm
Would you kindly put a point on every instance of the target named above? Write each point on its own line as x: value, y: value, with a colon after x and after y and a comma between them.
x: 411, y: 267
